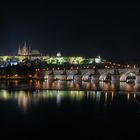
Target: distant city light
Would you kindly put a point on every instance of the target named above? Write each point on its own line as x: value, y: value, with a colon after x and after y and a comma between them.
x: 98, y: 59
x: 58, y: 54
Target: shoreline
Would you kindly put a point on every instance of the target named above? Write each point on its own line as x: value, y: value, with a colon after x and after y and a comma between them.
x: 22, y: 78
x: 68, y: 89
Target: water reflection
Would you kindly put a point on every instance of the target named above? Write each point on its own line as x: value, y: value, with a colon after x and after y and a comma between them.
x: 28, y: 93
x: 69, y: 85
x: 26, y: 99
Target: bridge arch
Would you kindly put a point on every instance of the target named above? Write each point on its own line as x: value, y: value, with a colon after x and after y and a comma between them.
x: 128, y: 76
x: 85, y: 77
x: 105, y: 77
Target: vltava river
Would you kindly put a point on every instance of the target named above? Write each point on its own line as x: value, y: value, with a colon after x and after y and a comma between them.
x: 83, y: 109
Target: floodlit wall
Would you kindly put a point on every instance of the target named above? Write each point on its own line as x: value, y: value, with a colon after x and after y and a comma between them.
x: 53, y: 60
x: 6, y: 58
x: 70, y: 60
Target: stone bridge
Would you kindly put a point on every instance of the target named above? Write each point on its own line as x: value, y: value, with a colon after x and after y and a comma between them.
x: 122, y: 75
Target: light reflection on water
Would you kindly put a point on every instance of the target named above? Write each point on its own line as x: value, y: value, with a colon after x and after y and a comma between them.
x: 69, y: 85
x: 27, y: 93
x: 69, y: 106
x: 25, y: 99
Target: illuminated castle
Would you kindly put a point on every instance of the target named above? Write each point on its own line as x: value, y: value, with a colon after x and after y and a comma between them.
x: 26, y: 51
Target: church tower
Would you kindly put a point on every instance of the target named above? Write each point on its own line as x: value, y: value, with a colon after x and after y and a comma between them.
x: 30, y: 50
x: 19, y: 51
x: 25, y: 50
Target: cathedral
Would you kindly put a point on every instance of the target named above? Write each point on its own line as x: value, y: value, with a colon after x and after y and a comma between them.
x: 27, y: 51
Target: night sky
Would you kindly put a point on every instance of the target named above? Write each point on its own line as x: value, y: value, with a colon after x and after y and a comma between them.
x: 111, y: 30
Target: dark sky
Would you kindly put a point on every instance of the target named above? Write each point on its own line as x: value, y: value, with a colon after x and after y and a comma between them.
x: 106, y: 29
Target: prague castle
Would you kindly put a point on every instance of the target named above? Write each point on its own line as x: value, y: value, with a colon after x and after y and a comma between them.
x: 27, y: 51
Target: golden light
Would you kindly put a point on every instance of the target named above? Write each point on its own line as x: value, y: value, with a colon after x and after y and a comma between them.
x: 128, y: 97
x: 16, y: 75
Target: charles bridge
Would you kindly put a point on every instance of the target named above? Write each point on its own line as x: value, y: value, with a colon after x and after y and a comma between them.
x: 112, y: 75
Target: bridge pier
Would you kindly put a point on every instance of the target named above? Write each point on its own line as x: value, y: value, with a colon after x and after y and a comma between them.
x: 138, y: 79
x: 78, y: 76
x: 49, y: 76
x: 115, y: 78
x: 94, y: 78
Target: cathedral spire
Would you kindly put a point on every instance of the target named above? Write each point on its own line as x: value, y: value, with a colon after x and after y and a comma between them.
x: 30, y: 49
x: 25, y: 45
x: 19, y: 51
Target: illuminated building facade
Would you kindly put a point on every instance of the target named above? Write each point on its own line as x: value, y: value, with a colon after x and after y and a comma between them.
x: 27, y: 51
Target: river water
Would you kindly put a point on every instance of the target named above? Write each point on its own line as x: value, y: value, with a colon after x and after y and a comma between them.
x: 107, y: 110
